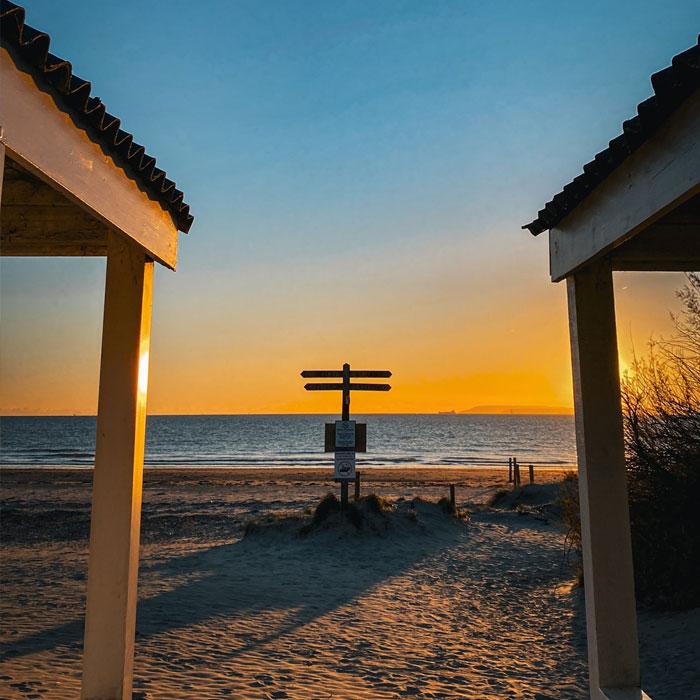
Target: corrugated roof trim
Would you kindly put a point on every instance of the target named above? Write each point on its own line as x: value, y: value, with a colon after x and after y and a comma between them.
x: 30, y: 47
x: 672, y: 86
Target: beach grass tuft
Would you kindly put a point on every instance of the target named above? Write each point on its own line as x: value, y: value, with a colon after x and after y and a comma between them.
x: 375, y: 504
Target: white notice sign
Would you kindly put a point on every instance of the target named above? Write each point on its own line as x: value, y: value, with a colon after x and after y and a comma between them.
x: 344, y: 465
x: 345, y: 434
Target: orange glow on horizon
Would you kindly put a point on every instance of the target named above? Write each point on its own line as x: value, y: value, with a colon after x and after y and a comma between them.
x: 450, y: 345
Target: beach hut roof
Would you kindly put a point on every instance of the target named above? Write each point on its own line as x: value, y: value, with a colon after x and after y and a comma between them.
x: 672, y: 87
x: 29, y: 49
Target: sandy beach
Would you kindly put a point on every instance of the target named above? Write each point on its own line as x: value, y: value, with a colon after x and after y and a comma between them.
x: 415, y: 604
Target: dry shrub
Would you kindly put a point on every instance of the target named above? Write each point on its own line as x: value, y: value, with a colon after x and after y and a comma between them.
x: 661, y: 401
x: 661, y: 413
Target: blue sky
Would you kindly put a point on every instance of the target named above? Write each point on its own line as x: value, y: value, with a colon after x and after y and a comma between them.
x: 376, y: 155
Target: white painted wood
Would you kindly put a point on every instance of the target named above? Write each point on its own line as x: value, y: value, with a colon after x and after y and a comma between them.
x: 659, y: 176
x: 116, y: 501
x: 44, y: 139
x: 611, y: 620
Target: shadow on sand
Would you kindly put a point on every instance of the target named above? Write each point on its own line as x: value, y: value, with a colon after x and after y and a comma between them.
x: 271, y: 570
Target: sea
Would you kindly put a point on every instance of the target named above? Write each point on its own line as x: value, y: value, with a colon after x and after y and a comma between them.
x: 393, y: 440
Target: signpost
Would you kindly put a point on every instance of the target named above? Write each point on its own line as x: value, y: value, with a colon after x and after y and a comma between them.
x: 345, y: 437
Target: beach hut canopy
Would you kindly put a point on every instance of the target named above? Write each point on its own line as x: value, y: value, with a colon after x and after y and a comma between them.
x: 68, y: 161
x: 637, y: 201
x: 636, y: 206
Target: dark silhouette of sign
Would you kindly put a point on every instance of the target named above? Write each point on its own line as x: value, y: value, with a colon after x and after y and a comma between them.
x: 346, y: 387
x: 345, y: 437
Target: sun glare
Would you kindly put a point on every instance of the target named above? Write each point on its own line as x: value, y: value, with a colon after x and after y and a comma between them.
x: 143, y: 373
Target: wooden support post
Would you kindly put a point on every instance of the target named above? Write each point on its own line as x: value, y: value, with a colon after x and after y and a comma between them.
x: 358, y: 478
x: 516, y: 473
x: 453, y: 500
x: 532, y: 473
x: 510, y: 470
x: 346, y: 392
x: 611, y: 619
x: 343, y: 495
x: 116, y: 501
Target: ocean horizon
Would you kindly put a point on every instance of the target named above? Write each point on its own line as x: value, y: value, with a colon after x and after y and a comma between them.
x: 297, y: 440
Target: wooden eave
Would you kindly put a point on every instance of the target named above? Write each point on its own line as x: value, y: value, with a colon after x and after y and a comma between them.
x: 644, y: 190
x: 62, y: 193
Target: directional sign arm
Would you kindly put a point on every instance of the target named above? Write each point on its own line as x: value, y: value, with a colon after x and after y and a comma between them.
x: 312, y: 373
x: 369, y: 387
x: 353, y: 387
x: 331, y: 373
x: 370, y: 373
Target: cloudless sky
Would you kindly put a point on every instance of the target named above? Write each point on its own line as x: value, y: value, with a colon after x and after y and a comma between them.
x: 359, y: 173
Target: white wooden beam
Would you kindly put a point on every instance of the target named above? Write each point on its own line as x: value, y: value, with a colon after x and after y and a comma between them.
x: 44, y: 140
x: 611, y: 619
x: 657, y: 177
x: 116, y: 502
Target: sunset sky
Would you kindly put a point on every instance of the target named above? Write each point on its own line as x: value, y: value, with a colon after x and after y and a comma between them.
x: 358, y: 173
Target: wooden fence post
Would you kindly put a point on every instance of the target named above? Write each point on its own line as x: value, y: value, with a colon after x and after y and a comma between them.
x: 532, y: 473
x: 516, y: 473
x: 453, y: 500
x: 510, y: 470
x: 358, y: 478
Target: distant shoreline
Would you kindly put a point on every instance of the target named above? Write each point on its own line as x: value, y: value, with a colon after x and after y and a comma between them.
x: 257, y: 471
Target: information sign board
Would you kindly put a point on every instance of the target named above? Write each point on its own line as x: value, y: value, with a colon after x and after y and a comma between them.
x: 344, y: 466
x: 345, y: 435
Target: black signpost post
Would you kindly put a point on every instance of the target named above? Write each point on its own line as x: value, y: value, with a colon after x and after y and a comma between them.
x: 345, y: 437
